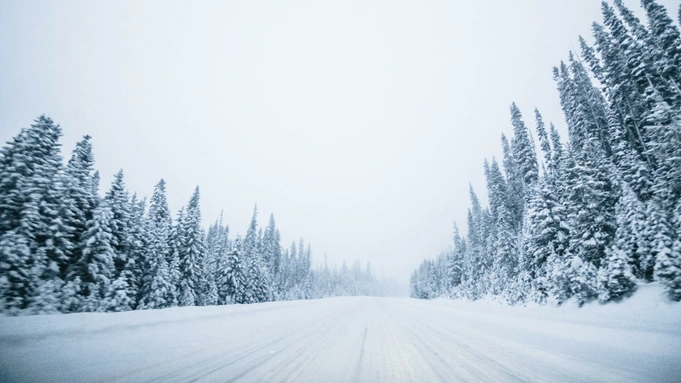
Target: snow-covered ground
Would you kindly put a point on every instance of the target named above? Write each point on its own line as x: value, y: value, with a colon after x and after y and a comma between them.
x: 351, y: 339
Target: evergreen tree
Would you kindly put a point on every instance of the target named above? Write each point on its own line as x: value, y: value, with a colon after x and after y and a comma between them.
x: 35, y: 245
x: 514, y: 183
x: 666, y: 37
x: 455, y: 266
x: 77, y: 208
x: 545, y: 235
x: 175, y: 247
x: 232, y: 288
x: 477, y: 265
x: 631, y: 167
x: 582, y: 278
x: 668, y: 270
x: 271, y: 248
x: 544, y: 140
x: 95, y: 267
x: 137, y: 244
x: 523, y: 149
x: 257, y: 282
x: 157, y: 290
x: 191, y: 254
x: 21, y: 272
x: 556, y: 147
x: 616, y: 279
x: 250, y: 243
x: 119, y: 203
x: 117, y: 297
x: 591, y: 204
x: 82, y: 188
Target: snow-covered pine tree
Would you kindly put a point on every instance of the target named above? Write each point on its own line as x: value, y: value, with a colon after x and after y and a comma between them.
x: 616, y: 279
x: 476, y: 264
x: 455, y: 267
x: 301, y: 269
x: 77, y: 207
x: 271, y: 249
x: 277, y: 255
x: 307, y: 278
x: 255, y: 271
x: 219, y: 249
x: 34, y: 241
x: 503, y: 236
x: 283, y: 277
x: 216, y: 255
x: 662, y: 225
x: 514, y: 183
x: 257, y: 287
x: 290, y: 280
x: 95, y: 268
x: 545, y: 235
x: 175, y: 245
x: 137, y: 244
x: 82, y: 188
x: 119, y: 203
x: 191, y: 254
x: 250, y: 242
x: 556, y: 148
x: 117, y: 297
x: 157, y: 289
x: 21, y: 272
x: 591, y: 204
x: 582, y: 277
x: 232, y: 287
x: 665, y: 35
x: 523, y: 149
x: 544, y: 142
x: 631, y: 167
x: 639, y: 69
x: 668, y: 269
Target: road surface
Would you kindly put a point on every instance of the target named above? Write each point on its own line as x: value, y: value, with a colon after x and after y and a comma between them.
x: 349, y: 339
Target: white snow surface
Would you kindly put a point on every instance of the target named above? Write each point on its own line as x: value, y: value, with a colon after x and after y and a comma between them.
x: 352, y: 339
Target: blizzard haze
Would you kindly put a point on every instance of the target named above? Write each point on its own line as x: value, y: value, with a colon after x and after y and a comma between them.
x: 358, y: 124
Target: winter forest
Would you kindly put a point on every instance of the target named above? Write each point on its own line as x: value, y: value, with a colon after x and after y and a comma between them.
x: 63, y: 248
x: 595, y: 216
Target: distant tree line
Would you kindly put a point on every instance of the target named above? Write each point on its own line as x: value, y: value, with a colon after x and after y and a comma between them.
x: 64, y: 248
x: 594, y: 216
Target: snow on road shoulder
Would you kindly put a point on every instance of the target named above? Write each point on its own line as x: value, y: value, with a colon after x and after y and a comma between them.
x: 647, y: 310
x: 37, y: 326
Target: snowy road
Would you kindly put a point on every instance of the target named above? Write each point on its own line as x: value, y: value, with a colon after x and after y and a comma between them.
x: 359, y: 339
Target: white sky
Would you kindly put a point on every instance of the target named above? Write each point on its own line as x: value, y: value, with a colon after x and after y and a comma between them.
x: 358, y: 123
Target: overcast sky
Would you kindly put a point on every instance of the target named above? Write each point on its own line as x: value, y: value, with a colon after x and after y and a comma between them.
x: 359, y: 124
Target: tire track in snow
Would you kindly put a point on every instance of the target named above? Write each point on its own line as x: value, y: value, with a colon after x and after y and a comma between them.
x: 262, y: 360
x: 218, y: 362
x: 306, y: 354
x: 432, y: 340
x: 358, y: 366
x: 195, y: 361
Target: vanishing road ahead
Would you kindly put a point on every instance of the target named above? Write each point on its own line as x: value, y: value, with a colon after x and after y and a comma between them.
x: 353, y: 339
